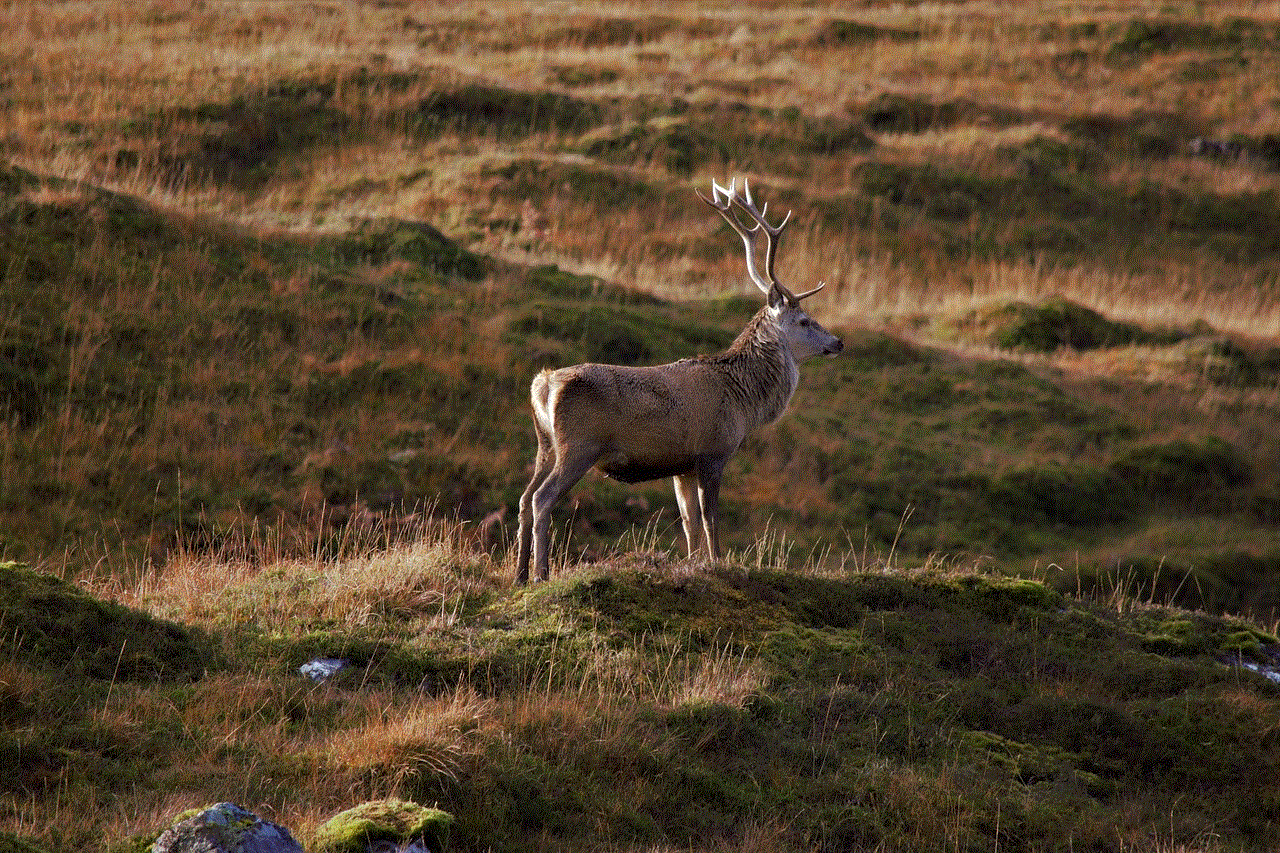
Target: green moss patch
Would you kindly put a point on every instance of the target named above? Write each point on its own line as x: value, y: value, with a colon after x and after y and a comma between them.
x: 244, y: 141
x: 503, y: 113
x: 57, y: 625
x: 357, y: 829
x: 1057, y: 322
x: 843, y: 33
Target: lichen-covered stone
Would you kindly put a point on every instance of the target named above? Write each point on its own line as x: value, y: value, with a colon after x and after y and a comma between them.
x: 374, y: 824
x: 225, y: 828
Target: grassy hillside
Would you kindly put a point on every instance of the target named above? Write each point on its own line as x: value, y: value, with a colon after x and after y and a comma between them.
x: 274, y: 280
x: 638, y: 704
x: 170, y: 380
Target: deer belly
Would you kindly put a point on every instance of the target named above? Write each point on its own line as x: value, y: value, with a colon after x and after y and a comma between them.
x: 631, y: 470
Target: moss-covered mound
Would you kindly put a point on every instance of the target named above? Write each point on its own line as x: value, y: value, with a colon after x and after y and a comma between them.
x: 357, y: 829
x: 54, y: 624
x: 1056, y: 322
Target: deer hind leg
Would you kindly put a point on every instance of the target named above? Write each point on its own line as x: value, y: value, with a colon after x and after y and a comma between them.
x: 571, y: 463
x: 690, y: 511
x: 541, y: 468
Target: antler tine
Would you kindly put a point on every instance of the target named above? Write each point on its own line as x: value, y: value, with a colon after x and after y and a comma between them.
x: 725, y: 208
x: 821, y: 285
x: 772, y: 232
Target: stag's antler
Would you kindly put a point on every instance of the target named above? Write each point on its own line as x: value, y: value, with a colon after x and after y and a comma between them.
x: 722, y: 200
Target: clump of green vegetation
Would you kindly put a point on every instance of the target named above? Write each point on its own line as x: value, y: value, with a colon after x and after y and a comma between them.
x: 679, y: 148
x: 1187, y: 472
x: 57, y: 626
x: 247, y: 139
x: 839, y: 32
x: 601, y: 188
x: 1045, y: 154
x: 1056, y: 211
x: 890, y: 113
x: 609, y: 333
x: 833, y: 136
x: 1224, y: 361
x: 1143, y: 38
x: 502, y: 113
x: 356, y: 830
x: 1144, y: 133
x: 1057, y: 322
x: 576, y: 75
x: 899, y: 114
x: 10, y: 843
x: 27, y: 381
x: 551, y: 281
x: 380, y: 241
x: 1183, y: 634
x: 684, y: 138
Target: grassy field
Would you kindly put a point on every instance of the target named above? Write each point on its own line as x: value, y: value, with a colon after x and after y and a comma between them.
x: 274, y: 278
x: 636, y: 704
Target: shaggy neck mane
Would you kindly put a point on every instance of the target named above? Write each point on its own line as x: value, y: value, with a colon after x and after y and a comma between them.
x: 758, y: 368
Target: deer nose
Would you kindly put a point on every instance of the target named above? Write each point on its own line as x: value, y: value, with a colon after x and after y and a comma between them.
x: 834, y: 347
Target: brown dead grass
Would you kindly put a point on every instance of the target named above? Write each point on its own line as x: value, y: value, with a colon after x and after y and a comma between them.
x: 81, y: 76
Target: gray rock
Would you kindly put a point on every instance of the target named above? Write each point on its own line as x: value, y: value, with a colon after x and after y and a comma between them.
x: 321, y: 669
x: 225, y: 828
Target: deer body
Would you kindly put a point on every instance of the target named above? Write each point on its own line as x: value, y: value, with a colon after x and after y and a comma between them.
x: 682, y: 420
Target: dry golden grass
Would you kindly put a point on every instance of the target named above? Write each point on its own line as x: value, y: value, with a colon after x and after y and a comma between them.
x: 87, y: 81
x: 260, y: 579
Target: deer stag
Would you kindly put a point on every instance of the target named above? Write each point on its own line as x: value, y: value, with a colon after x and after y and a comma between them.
x: 682, y: 420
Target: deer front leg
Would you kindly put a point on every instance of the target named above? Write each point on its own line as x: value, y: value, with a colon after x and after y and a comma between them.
x: 690, y: 511
x: 709, y: 474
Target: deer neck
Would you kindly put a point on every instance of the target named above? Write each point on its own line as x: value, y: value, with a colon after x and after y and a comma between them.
x: 761, y: 369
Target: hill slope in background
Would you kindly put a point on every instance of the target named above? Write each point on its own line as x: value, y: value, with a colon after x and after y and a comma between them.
x: 644, y: 704
x: 170, y: 380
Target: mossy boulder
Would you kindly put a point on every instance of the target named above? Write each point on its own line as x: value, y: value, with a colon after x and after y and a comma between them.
x: 49, y: 622
x: 225, y: 828
x: 357, y: 829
